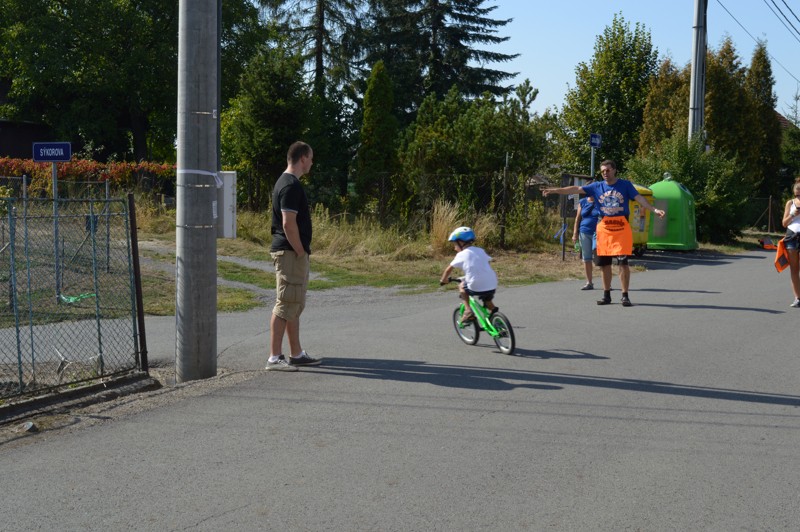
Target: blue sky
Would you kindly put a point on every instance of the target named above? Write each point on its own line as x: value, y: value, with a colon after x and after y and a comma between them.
x: 553, y: 36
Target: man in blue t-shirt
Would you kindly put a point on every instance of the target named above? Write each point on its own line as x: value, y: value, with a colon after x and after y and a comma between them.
x: 584, y: 234
x: 614, y: 234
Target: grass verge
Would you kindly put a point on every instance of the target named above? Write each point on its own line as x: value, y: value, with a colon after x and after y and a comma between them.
x: 361, y: 253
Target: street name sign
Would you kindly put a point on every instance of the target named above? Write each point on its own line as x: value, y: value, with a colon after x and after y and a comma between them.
x: 52, y: 152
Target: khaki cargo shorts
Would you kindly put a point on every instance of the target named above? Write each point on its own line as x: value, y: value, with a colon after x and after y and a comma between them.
x: 291, y: 282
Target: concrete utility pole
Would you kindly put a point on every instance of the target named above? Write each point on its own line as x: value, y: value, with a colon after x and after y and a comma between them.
x: 196, y: 245
x: 697, y: 85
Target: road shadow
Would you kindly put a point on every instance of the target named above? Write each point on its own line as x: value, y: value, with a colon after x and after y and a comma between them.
x: 677, y: 291
x: 503, y: 379
x: 675, y: 260
x: 565, y: 354
x: 712, y: 307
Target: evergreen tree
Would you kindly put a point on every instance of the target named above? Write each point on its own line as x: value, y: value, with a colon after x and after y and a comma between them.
x: 430, y: 46
x: 765, y: 136
x: 392, y: 36
x: 376, y: 158
x: 327, y: 31
x: 609, y: 97
x: 242, y: 34
x: 666, y: 111
x: 452, y: 31
x: 330, y: 132
x: 728, y: 107
x: 790, y: 147
x: 270, y: 112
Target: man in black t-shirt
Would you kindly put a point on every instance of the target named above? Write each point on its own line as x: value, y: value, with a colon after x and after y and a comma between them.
x: 291, y: 245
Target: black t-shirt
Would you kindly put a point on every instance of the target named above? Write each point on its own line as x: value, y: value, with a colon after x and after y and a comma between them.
x: 288, y: 195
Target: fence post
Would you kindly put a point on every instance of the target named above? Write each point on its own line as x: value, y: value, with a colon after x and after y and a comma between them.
x: 57, y: 262
x: 137, y: 281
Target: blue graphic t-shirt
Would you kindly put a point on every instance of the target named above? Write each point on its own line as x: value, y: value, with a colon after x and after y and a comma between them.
x: 612, y: 200
x: 588, y: 223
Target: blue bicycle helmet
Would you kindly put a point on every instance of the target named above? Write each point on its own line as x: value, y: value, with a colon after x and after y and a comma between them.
x: 463, y: 234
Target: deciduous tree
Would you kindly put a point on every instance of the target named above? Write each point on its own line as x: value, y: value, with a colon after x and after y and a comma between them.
x: 609, y: 97
x: 103, y: 74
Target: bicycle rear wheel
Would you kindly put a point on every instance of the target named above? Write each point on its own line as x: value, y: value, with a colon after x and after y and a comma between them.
x: 468, y: 332
x: 505, y: 339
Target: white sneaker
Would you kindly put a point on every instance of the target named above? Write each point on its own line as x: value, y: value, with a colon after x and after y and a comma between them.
x: 796, y: 303
x: 280, y: 365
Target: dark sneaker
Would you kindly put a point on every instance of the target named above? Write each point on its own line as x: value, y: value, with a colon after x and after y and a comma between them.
x: 626, y: 302
x: 303, y: 359
x: 604, y: 301
x: 588, y: 286
x: 280, y: 365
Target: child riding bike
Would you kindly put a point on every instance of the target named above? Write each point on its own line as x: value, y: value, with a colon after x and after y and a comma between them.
x: 480, y: 279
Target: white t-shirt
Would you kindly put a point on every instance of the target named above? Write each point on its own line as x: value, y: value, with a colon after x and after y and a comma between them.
x: 794, y: 225
x: 478, y: 274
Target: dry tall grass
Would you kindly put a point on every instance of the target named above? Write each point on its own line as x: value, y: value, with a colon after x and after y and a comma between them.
x: 153, y: 218
x: 364, y: 248
x: 362, y: 236
x: 445, y: 217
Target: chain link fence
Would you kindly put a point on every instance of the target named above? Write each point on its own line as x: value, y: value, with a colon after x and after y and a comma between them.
x: 67, y: 297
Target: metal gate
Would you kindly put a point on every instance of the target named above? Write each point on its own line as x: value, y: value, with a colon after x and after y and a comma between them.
x: 67, y: 293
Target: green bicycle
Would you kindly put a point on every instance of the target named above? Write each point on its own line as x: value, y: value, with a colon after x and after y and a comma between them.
x: 495, y: 323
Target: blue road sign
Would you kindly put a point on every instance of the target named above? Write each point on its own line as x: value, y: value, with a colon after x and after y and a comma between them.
x: 52, y: 152
x: 595, y: 140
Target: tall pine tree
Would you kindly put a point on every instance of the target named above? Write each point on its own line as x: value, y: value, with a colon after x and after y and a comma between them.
x: 376, y: 158
x: 790, y: 147
x: 325, y: 31
x: 429, y: 46
x: 666, y: 111
x: 764, y: 153
x: 728, y: 109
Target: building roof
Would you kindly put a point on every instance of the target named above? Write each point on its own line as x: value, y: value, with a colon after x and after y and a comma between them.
x: 785, y: 122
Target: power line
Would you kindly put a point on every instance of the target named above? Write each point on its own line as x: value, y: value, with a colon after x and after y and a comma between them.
x: 757, y: 41
x: 785, y: 17
x: 790, y: 10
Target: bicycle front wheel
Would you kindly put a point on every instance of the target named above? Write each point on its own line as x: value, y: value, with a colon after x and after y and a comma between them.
x: 505, y: 334
x: 468, y: 332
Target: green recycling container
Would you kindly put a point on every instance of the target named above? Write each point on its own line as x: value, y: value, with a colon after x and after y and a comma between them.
x: 677, y: 229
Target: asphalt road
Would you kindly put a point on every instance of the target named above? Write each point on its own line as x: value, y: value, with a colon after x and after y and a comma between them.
x: 679, y: 413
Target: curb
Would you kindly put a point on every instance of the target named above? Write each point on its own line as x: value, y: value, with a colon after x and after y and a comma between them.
x: 56, y: 402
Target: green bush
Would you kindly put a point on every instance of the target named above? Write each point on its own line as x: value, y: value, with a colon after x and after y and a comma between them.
x: 718, y: 184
